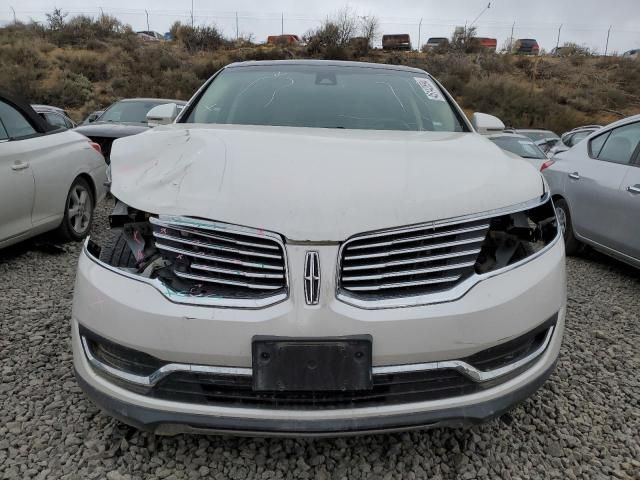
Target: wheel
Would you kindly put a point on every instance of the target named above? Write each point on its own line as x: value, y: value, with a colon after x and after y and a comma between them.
x: 78, y: 212
x: 571, y: 244
x: 117, y: 253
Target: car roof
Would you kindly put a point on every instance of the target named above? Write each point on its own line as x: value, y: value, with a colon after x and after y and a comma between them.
x: 47, y: 108
x: 333, y: 63
x: 623, y: 121
x: 508, y: 135
x: 159, y: 100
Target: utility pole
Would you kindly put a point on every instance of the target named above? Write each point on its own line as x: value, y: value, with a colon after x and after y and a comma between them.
x: 191, y: 13
x: 101, y: 12
x: 237, y: 29
x: 606, y: 48
x: 15, y: 22
x: 558, y: 42
x: 419, y: 34
x: 147, y: 14
x: 282, y: 24
x: 511, y: 41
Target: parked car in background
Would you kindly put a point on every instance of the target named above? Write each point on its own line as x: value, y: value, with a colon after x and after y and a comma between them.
x: 150, y: 36
x: 348, y: 255
x: 489, y: 44
x: 92, y: 117
x: 435, y: 42
x: 286, y: 39
x: 526, y: 46
x: 50, y: 178
x: 534, y: 134
x: 632, y: 53
x: 400, y: 41
x: 547, y: 144
x: 123, y: 118
x: 54, y: 116
x: 572, y: 137
x: 596, y: 191
x: 523, y: 147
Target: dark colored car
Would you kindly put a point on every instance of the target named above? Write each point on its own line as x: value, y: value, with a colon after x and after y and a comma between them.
x: 54, y: 116
x: 490, y: 44
x: 526, y: 46
x: 92, y: 117
x: 123, y: 118
x: 400, y: 41
x: 435, y: 42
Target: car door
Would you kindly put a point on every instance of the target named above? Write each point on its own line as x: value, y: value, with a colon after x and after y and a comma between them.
x: 595, y: 185
x: 17, y: 185
x: 630, y: 208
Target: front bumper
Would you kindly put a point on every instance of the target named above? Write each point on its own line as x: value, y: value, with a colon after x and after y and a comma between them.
x: 137, y: 316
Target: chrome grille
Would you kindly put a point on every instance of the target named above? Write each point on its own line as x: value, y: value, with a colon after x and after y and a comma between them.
x: 411, y: 261
x: 211, y: 258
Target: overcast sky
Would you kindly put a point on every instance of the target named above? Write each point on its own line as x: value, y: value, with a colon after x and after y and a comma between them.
x: 584, y: 21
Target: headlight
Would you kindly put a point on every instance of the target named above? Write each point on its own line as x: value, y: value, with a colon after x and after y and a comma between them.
x: 516, y: 236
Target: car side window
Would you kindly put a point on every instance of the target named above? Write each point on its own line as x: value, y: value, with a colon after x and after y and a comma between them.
x: 596, y: 144
x: 3, y: 133
x: 568, y: 141
x: 578, y: 137
x: 620, y: 145
x: 55, y: 120
x: 16, y: 125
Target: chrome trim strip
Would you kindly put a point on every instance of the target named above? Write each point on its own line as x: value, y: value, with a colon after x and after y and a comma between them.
x: 214, y: 258
x: 185, y: 299
x: 226, y: 271
x: 454, y: 293
x: 420, y: 237
x: 465, y: 368
x: 432, y: 258
x: 219, y: 248
x: 434, y: 246
x: 204, y: 278
x: 160, y: 223
x: 407, y: 272
x: 414, y: 283
x: 459, y: 365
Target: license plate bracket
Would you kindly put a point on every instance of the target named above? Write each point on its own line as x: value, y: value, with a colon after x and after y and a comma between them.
x: 312, y: 364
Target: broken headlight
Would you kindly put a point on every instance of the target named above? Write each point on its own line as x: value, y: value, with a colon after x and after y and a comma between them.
x: 516, y: 236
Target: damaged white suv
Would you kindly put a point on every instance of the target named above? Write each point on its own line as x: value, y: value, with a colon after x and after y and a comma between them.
x: 316, y: 248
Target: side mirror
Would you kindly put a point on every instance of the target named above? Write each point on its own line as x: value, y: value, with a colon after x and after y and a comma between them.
x: 486, y: 124
x: 162, y: 114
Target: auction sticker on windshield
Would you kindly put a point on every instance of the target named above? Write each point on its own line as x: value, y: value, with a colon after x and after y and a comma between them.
x: 428, y: 87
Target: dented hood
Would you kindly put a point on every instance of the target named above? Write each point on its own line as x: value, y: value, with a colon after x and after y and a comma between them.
x: 316, y: 184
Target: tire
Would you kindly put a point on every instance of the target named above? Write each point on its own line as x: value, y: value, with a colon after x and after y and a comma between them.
x: 78, y: 212
x: 572, y: 245
x: 117, y: 253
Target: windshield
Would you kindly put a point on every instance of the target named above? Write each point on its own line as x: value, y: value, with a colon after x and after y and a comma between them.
x: 326, y: 97
x: 129, y: 111
x: 520, y: 146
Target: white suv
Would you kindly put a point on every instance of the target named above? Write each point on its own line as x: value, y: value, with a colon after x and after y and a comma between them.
x: 315, y: 248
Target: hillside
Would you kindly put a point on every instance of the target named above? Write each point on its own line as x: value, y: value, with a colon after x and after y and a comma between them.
x: 89, y: 67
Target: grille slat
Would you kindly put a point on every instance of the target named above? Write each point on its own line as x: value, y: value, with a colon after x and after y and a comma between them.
x: 204, y: 278
x: 211, y: 246
x: 416, y: 283
x: 213, y: 236
x: 424, y: 248
x: 214, y: 259
x: 422, y: 237
x: 411, y: 261
x: 380, y: 276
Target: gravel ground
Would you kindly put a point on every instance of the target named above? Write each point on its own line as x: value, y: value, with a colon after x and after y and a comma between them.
x: 584, y: 423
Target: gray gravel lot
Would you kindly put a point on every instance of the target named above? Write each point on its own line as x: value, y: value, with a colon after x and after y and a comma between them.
x: 584, y: 423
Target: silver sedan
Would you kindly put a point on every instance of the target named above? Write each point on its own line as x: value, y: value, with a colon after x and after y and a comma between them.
x: 596, y: 190
x: 50, y: 178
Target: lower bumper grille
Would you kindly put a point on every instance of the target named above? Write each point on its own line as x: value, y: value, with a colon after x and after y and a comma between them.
x: 391, y: 385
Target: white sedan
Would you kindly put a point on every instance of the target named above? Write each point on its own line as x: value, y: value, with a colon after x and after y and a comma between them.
x: 50, y: 178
